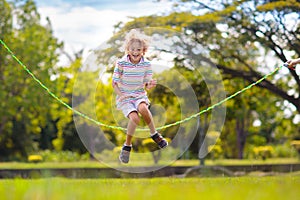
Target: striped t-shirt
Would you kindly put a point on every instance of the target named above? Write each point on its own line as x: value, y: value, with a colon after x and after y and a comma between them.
x: 131, y: 79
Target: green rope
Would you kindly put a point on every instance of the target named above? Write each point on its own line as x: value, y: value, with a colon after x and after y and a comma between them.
x: 121, y: 128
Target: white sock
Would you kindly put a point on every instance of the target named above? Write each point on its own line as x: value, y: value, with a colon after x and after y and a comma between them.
x: 151, y: 134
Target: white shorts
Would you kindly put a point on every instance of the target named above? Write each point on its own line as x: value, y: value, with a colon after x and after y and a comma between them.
x: 131, y: 106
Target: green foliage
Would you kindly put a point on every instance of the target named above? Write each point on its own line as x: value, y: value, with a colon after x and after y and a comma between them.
x: 24, y: 113
x: 63, y: 156
x: 263, y: 152
x: 214, y: 145
x: 296, y: 144
x: 57, y: 156
x: 215, y: 151
x: 238, y: 36
x: 29, y: 115
x: 257, y: 140
x: 280, y: 5
x: 6, y: 18
x: 35, y: 158
x: 284, y: 151
x: 58, y: 143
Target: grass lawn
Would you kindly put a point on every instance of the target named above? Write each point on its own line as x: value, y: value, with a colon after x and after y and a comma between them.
x: 97, y: 164
x: 277, y: 187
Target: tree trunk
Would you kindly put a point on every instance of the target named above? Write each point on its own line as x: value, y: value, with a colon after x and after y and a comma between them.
x: 241, y: 136
x: 202, y: 129
x: 2, y: 124
x: 156, y: 156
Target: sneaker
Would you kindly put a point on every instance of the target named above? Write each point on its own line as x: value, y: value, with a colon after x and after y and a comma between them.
x: 159, y: 140
x: 125, y: 153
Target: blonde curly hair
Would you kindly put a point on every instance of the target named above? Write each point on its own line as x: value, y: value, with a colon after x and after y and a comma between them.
x: 136, y: 36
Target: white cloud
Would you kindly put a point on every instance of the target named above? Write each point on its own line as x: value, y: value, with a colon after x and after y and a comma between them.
x: 82, y: 27
x: 88, y: 27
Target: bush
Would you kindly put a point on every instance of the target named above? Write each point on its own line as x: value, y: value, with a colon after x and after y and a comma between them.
x: 35, y: 158
x: 296, y: 145
x: 215, y: 151
x: 109, y: 155
x: 257, y: 140
x: 63, y: 156
x: 284, y: 151
x: 263, y: 152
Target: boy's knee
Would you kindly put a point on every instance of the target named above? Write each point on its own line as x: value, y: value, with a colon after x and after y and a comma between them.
x: 134, y: 117
x: 143, y: 108
x: 136, y: 120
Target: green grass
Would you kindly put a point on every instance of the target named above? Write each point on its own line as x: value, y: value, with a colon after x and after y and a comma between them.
x: 97, y: 164
x: 225, y: 162
x: 278, y: 187
x: 253, y: 161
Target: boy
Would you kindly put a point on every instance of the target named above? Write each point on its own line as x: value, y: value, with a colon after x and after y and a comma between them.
x: 132, y: 74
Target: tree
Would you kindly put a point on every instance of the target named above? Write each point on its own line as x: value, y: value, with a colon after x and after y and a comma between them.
x: 246, y: 118
x: 238, y: 29
x: 241, y: 29
x: 24, y: 105
x: 240, y: 38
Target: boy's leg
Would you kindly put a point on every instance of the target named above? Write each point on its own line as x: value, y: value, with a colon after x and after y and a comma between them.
x: 134, y: 120
x: 132, y: 124
x: 146, y: 114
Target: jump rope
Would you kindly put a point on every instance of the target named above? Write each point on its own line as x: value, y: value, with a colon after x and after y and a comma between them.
x: 140, y: 129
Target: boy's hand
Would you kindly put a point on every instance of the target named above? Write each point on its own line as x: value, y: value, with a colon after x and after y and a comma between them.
x: 151, y: 84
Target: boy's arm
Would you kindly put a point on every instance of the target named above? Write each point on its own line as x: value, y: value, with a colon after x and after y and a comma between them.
x: 115, y: 79
x: 117, y: 89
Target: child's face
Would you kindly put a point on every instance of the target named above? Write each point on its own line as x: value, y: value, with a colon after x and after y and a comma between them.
x: 135, y: 51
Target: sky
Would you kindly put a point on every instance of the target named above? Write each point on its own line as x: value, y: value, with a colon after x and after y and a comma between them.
x: 87, y: 24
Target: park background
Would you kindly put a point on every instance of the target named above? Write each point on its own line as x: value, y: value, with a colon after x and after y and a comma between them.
x: 244, y: 39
